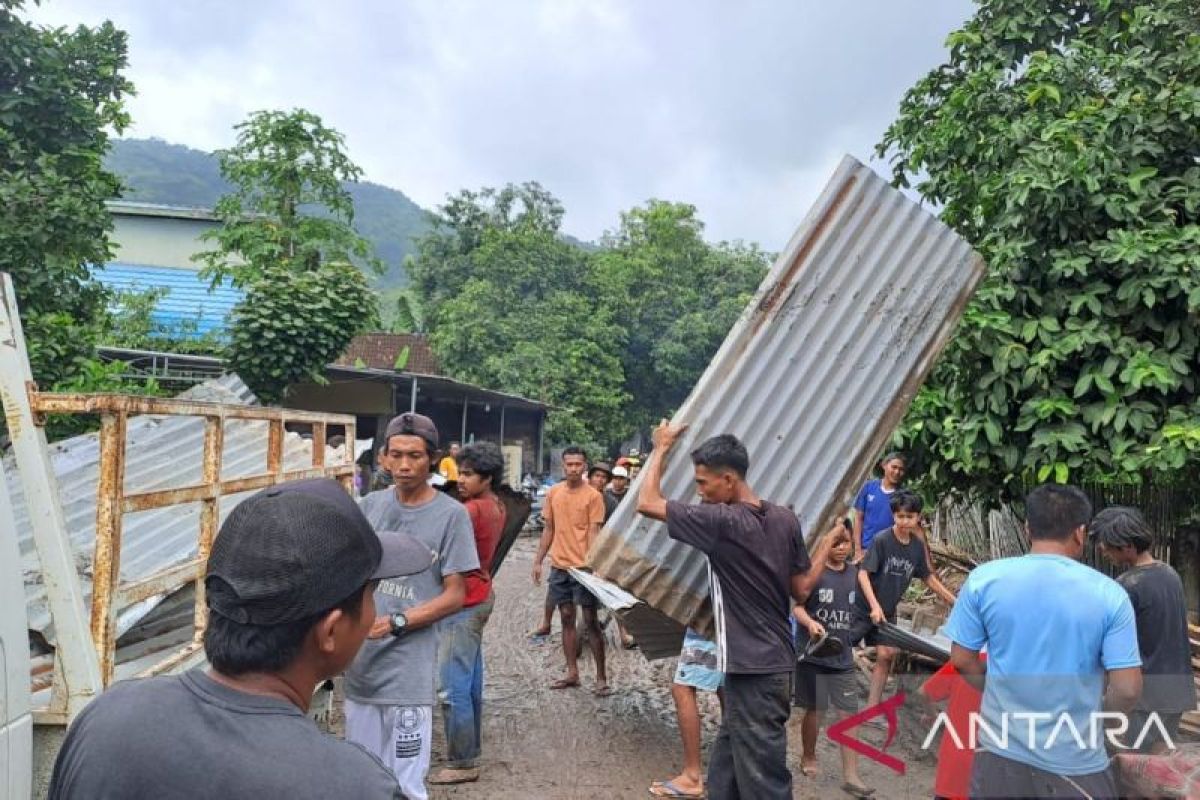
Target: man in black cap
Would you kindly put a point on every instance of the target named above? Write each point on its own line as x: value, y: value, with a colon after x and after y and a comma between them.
x: 289, y: 593
x: 390, y: 685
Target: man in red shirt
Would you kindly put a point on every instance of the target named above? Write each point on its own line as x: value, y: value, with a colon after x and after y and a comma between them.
x: 460, y: 646
x: 953, y: 779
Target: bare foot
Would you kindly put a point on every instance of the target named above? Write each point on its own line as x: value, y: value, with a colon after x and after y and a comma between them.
x: 809, y: 767
x: 602, y: 690
x: 565, y: 683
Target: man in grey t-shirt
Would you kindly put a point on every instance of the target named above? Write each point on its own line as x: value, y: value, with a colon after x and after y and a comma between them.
x: 390, y: 686
x: 289, y: 598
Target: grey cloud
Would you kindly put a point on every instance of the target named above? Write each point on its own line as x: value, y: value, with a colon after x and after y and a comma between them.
x: 738, y: 108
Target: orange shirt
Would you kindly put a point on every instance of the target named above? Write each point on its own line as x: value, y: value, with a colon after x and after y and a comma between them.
x: 572, y: 512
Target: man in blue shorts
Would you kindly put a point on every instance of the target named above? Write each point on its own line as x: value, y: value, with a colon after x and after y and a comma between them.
x: 697, y: 670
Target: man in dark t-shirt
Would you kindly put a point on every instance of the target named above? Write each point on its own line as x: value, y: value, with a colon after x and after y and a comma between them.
x: 757, y: 564
x: 1160, y: 611
x: 290, y: 583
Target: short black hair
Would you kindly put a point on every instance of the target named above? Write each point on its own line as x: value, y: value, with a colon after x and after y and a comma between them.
x: 724, y: 452
x: 907, y: 501
x: 1121, y: 526
x: 1053, y: 511
x: 574, y: 450
x: 892, y: 456
x: 235, y: 648
x: 485, y: 458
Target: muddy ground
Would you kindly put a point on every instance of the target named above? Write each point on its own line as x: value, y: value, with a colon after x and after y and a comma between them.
x: 539, y: 743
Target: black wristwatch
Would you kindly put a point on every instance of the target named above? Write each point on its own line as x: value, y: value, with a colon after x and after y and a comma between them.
x: 399, y: 624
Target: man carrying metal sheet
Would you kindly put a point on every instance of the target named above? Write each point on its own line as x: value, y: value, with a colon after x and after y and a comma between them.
x: 757, y: 564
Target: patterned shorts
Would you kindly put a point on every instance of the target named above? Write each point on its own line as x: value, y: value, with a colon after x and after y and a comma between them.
x: 698, y: 663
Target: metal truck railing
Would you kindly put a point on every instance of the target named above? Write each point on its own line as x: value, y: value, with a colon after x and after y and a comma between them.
x: 84, y: 667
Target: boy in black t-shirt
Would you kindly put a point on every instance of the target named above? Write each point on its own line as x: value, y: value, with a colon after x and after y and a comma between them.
x: 896, y: 557
x: 829, y: 681
x: 1160, y: 609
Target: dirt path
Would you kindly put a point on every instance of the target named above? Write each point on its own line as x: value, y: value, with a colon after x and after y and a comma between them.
x: 569, y: 744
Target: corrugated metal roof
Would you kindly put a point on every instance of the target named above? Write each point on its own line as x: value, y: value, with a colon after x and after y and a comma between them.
x: 134, y: 209
x: 813, y: 378
x: 189, y: 303
x: 162, y: 453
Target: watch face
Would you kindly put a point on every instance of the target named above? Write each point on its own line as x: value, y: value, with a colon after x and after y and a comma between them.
x: 399, y: 621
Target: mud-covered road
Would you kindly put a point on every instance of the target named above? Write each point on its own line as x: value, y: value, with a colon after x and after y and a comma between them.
x: 568, y: 744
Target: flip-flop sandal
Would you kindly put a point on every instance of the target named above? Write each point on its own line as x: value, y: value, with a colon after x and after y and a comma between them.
x: 859, y: 792
x: 810, y: 771
x: 669, y: 789
x: 563, y: 683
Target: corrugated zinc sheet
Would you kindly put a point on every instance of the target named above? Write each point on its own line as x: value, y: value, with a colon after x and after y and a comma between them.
x: 162, y: 453
x: 189, y: 305
x: 813, y: 378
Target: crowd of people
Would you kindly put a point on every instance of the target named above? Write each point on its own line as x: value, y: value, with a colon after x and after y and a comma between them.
x: 394, y: 592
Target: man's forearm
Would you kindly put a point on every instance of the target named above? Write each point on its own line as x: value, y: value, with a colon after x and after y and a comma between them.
x: 450, y: 600
x: 972, y: 669
x: 939, y: 588
x: 651, y: 502
x: 545, y: 542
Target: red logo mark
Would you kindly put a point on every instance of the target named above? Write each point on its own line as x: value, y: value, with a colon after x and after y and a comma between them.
x: 837, y: 732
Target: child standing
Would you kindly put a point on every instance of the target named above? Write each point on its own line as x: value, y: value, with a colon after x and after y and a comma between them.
x: 953, y: 779
x: 872, y: 507
x: 824, y: 682
x: 1160, y: 610
x: 897, y: 555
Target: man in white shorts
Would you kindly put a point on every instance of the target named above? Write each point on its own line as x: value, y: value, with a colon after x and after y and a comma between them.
x: 390, y: 685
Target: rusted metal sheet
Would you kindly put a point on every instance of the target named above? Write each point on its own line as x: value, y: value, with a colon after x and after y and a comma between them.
x: 813, y: 377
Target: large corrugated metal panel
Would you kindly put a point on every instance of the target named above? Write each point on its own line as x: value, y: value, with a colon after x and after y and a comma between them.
x: 813, y: 378
x: 189, y: 302
x: 162, y: 453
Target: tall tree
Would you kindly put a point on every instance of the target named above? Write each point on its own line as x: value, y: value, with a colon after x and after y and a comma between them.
x: 288, y: 208
x: 1060, y: 138
x: 287, y: 237
x: 61, y: 92
x: 675, y: 296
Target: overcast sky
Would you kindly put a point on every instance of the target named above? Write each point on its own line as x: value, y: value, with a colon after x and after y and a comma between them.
x: 740, y: 108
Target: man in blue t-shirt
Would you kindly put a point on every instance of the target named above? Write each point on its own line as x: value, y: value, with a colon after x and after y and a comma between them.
x: 1056, y: 632
x: 872, y: 507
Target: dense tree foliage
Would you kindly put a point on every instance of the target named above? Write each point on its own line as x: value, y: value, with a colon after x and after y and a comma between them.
x: 509, y: 304
x: 1061, y: 139
x: 675, y: 296
x: 613, y: 338
x: 61, y: 92
x: 292, y: 323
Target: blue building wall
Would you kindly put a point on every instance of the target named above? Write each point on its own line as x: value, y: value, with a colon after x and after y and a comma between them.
x: 189, y: 299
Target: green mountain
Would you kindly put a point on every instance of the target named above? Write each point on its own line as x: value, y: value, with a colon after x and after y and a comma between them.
x: 155, y: 171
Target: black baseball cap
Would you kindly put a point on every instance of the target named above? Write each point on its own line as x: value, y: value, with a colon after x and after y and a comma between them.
x: 300, y: 548
x: 410, y: 424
